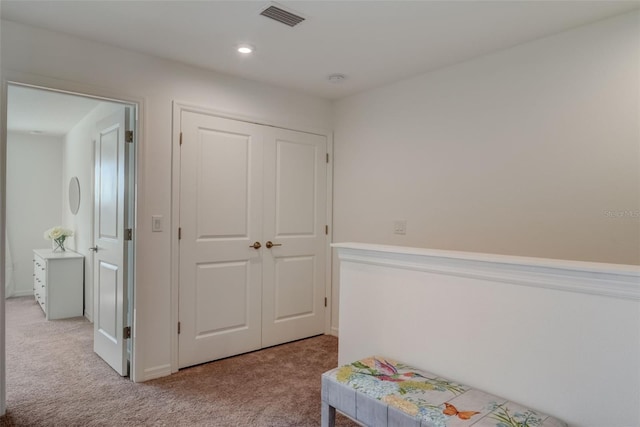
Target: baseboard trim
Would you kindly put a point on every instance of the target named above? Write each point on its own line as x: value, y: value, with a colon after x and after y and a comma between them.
x: 334, y: 331
x: 157, y: 372
x: 21, y: 294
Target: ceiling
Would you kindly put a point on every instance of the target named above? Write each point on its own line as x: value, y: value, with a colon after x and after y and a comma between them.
x: 372, y: 42
x: 45, y: 112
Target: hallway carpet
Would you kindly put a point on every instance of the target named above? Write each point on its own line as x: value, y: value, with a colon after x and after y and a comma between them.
x: 55, y: 379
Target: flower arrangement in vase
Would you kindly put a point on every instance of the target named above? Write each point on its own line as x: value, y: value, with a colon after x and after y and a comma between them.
x: 58, y: 235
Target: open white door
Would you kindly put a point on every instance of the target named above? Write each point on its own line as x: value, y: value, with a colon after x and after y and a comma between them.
x: 111, y: 243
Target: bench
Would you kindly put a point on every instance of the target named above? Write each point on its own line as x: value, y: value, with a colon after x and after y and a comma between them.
x: 381, y: 392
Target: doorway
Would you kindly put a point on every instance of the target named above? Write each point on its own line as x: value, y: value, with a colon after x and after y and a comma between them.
x: 53, y: 144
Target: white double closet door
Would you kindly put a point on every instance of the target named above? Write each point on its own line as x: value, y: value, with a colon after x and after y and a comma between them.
x: 243, y: 185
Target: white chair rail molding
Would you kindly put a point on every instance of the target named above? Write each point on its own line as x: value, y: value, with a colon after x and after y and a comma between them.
x: 559, y: 336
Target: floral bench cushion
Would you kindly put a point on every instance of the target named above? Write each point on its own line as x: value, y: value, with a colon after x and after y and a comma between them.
x: 428, y: 399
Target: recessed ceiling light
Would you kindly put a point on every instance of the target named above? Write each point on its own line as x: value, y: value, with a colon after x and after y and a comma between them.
x: 246, y: 48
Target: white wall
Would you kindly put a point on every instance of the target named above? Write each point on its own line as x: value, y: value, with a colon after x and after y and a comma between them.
x: 34, y: 174
x: 69, y: 63
x: 531, y: 151
x: 78, y: 160
x: 561, y: 337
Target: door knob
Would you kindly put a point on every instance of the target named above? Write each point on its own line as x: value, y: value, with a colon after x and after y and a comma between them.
x: 94, y: 249
x: 270, y: 244
x: 256, y: 245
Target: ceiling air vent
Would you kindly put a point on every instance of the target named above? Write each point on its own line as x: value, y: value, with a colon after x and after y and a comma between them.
x: 281, y: 15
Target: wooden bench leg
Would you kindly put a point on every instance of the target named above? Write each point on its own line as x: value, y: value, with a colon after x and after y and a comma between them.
x: 328, y: 416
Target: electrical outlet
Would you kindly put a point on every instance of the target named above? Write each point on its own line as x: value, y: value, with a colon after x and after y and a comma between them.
x: 400, y: 226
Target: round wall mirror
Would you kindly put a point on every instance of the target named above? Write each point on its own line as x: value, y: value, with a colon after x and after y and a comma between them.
x: 74, y: 195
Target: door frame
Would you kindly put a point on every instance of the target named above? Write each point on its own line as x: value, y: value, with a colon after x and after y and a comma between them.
x: 178, y: 108
x: 136, y: 373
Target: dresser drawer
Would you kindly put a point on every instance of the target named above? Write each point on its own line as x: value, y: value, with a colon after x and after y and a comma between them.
x: 39, y: 269
x: 40, y: 281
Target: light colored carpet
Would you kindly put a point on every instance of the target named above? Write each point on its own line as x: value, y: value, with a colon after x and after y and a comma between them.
x: 55, y: 379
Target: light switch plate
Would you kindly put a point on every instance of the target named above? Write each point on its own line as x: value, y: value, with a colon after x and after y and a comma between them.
x: 156, y: 223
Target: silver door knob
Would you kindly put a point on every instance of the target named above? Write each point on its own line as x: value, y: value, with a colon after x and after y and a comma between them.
x: 94, y: 249
x: 270, y: 244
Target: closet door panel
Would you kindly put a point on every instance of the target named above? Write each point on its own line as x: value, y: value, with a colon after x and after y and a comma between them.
x: 294, y: 221
x: 295, y: 189
x: 220, y: 218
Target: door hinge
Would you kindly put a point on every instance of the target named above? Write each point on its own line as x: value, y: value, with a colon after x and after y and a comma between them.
x: 179, y: 233
x: 127, y: 332
x: 327, y: 157
x: 128, y: 136
x: 128, y: 234
x: 180, y: 138
x: 325, y: 301
x: 178, y: 328
x: 326, y: 230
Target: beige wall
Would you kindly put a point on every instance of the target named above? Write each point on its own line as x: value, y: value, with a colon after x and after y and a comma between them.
x: 531, y: 151
x: 521, y: 152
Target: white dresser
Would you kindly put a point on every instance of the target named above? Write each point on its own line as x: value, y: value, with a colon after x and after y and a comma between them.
x: 58, y: 283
